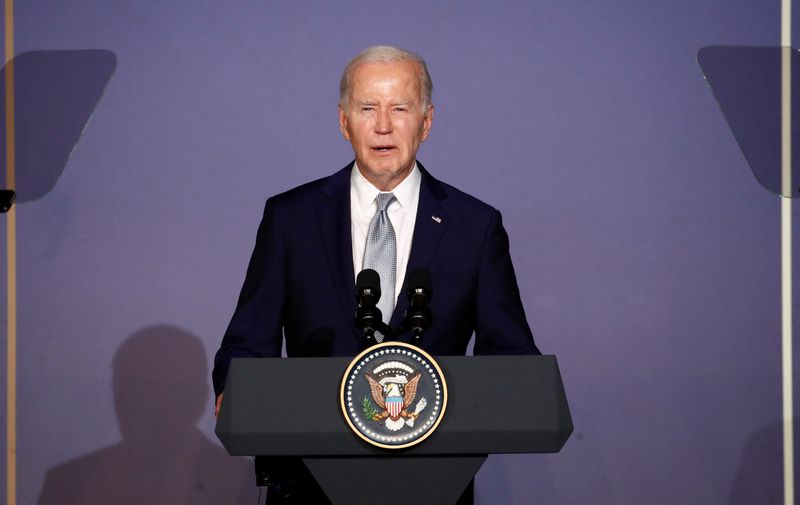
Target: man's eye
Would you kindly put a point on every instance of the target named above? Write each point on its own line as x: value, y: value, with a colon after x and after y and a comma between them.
x: 367, y: 108
x: 400, y: 109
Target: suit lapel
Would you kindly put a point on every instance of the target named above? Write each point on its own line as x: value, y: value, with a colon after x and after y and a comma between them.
x: 333, y: 216
x: 429, y: 226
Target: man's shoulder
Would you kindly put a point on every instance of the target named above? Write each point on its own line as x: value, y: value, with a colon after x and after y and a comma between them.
x: 456, y: 198
x: 325, y: 187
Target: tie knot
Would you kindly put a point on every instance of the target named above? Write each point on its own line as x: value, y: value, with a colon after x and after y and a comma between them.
x: 383, y: 200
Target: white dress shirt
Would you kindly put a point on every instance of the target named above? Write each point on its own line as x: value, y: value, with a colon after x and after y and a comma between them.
x: 402, y: 213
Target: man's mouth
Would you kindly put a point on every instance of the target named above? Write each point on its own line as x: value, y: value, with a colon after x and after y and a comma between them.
x: 383, y: 149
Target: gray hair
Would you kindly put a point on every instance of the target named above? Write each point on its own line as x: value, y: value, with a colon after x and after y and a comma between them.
x: 387, y: 54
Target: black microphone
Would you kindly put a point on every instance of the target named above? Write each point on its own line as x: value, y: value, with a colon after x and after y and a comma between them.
x: 368, y: 315
x: 418, y: 316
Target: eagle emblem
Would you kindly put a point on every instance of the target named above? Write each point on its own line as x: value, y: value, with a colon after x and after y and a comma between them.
x: 393, y: 387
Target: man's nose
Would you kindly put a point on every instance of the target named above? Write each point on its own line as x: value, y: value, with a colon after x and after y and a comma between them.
x: 383, y: 122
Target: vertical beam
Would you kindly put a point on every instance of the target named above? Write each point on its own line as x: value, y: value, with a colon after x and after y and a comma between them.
x: 786, y: 252
x: 11, y: 264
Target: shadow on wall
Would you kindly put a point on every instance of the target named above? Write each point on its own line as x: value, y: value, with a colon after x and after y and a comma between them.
x: 160, y: 392
x: 759, y: 477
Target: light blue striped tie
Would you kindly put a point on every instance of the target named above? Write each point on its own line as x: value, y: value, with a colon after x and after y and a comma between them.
x: 380, y: 255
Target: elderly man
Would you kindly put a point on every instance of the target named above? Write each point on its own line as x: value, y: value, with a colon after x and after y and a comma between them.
x: 382, y: 209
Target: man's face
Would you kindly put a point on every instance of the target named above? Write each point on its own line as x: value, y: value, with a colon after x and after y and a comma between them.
x: 385, y: 121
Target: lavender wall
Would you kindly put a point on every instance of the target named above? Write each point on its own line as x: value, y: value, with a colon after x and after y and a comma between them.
x: 647, y: 255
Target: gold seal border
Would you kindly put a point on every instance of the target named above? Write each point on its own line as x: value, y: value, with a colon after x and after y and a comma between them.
x: 370, y: 350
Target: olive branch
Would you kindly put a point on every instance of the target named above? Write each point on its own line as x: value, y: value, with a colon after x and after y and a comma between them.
x: 369, y: 410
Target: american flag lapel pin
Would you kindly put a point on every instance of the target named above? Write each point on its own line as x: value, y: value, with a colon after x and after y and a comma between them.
x: 437, y: 219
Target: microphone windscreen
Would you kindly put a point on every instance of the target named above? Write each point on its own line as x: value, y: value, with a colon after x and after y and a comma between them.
x: 369, y: 279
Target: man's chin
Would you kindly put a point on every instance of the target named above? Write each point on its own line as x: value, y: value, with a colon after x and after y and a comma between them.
x: 381, y: 174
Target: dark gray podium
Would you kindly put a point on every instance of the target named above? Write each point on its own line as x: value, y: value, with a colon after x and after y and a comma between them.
x: 497, y: 404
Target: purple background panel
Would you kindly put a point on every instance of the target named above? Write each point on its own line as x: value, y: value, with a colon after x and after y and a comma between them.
x: 647, y: 254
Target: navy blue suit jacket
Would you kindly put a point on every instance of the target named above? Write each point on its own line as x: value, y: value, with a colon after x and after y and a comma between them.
x: 300, y: 282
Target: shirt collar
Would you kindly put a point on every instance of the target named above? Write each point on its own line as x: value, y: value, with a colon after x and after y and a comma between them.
x: 364, y: 192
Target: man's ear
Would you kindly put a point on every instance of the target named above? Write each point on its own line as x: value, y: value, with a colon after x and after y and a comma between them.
x: 343, y: 123
x: 427, y: 121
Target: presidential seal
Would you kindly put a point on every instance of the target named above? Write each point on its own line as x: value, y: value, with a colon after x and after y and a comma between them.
x: 393, y: 395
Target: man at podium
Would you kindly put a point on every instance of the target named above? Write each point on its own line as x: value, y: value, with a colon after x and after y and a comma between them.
x: 383, y: 211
